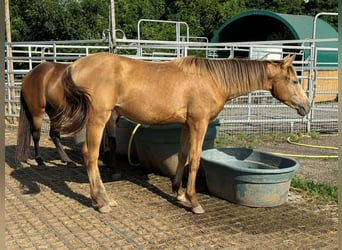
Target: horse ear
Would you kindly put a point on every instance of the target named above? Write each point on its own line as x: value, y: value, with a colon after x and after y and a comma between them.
x: 288, y: 60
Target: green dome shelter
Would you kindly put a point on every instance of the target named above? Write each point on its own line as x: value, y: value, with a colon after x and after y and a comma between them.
x: 263, y: 25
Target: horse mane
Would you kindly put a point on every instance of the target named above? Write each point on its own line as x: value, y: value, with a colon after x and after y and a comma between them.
x: 240, y: 73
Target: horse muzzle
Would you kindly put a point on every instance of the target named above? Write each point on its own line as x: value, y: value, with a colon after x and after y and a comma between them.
x: 304, y: 109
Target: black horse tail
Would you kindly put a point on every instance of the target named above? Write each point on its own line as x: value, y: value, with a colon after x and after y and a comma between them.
x: 73, y: 114
x: 22, y: 151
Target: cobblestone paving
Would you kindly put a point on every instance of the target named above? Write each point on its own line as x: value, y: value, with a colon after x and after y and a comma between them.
x: 51, y: 209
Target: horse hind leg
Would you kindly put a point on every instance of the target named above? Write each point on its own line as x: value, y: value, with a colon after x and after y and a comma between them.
x: 36, y: 131
x: 56, y: 139
x: 109, y: 145
x: 90, y: 151
x: 109, y: 141
x: 182, y: 157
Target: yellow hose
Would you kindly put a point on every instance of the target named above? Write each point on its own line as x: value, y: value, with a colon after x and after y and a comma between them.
x: 130, y: 146
x: 309, y: 145
x: 309, y: 156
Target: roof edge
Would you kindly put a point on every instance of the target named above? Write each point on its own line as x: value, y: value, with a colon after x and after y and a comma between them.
x: 275, y: 15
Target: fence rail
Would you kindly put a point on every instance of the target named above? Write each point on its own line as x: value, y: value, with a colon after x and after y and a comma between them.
x: 257, y: 112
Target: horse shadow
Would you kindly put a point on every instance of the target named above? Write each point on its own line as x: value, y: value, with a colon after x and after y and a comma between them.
x: 57, y: 174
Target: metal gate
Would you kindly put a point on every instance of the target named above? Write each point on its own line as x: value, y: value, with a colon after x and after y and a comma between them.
x: 255, y: 113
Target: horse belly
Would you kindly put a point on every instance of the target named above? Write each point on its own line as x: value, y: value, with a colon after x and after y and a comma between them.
x: 152, y: 114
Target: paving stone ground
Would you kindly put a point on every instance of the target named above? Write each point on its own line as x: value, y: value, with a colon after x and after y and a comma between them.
x: 51, y: 209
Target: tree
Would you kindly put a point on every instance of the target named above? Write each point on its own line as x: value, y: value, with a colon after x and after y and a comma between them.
x: 38, y: 19
x: 129, y: 12
x: 58, y: 20
x: 313, y: 7
x: 86, y: 19
x: 95, y: 18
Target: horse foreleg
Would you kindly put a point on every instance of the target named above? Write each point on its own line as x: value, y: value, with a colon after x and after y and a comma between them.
x: 56, y: 139
x: 182, y: 157
x: 197, y: 133
x: 91, y: 153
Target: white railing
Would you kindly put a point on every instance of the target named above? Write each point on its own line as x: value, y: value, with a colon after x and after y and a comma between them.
x: 258, y: 111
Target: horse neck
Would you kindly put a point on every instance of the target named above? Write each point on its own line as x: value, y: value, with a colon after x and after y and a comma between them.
x: 243, y: 89
x: 239, y: 84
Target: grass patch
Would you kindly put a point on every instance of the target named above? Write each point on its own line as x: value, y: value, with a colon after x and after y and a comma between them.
x: 247, y: 141
x: 252, y: 141
x: 318, y: 191
x: 297, y: 137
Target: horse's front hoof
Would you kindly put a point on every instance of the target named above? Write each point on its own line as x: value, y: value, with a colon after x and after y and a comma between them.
x: 105, y: 209
x: 198, y: 210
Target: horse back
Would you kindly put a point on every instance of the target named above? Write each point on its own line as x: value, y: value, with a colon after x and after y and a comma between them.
x: 146, y: 92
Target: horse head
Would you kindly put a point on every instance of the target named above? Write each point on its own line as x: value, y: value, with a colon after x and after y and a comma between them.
x: 286, y: 87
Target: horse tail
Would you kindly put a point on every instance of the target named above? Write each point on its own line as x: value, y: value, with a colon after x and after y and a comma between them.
x: 73, y: 114
x: 22, y: 152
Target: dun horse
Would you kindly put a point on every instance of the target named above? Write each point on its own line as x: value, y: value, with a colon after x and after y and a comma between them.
x: 190, y: 91
x: 41, y: 92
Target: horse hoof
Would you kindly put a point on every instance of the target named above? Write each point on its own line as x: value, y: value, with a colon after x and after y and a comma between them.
x: 71, y: 164
x: 41, y: 167
x: 198, y: 210
x: 112, y: 203
x: 105, y: 209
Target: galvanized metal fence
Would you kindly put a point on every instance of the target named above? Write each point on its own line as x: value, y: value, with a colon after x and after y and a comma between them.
x: 255, y: 113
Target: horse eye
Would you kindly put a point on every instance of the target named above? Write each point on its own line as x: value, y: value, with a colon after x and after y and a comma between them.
x: 295, y: 81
